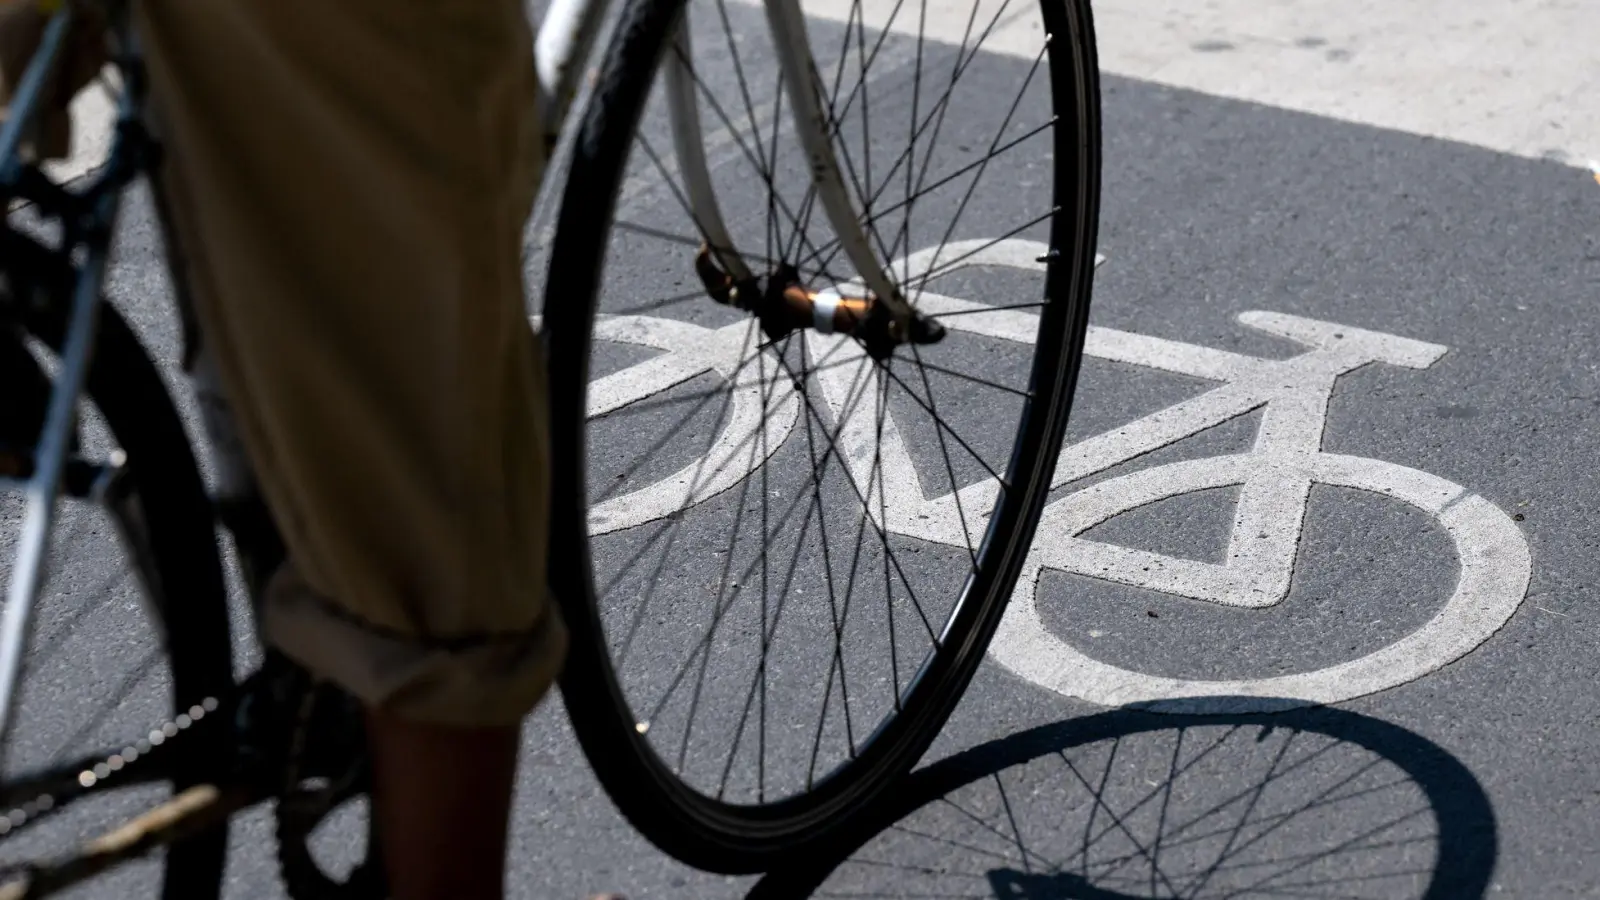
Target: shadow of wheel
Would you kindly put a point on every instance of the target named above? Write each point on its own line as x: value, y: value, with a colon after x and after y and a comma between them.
x: 1130, y: 804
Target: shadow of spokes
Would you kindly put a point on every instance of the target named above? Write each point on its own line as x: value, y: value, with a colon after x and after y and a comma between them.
x: 1132, y: 804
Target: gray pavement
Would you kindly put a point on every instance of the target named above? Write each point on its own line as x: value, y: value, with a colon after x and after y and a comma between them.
x: 1214, y: 207
x: 1464, y: 763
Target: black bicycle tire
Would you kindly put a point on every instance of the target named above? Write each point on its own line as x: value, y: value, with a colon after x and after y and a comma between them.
x: 701, y: 832
x: 131, y: 396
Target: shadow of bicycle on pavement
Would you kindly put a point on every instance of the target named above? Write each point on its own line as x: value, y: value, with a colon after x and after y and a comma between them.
x: 1129, y: 804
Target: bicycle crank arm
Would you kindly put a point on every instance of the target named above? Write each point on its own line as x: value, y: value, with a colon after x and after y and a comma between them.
x: 196, y: 809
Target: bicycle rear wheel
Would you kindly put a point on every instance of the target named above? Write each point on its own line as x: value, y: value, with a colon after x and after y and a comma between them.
x: 131, y: 629
x: 799, y: 550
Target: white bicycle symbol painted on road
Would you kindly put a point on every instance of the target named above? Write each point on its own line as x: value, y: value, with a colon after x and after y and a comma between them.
x: 1274, y: 479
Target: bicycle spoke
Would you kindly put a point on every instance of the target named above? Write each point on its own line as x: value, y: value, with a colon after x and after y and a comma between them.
x: 639, y: 609
x: 843, y: 618
x: 697, y: 480
x: 833, y: 248
x: 764, y: 165
x: 866, y: 122
x: 703, y: 643
x: 700, y: 399
x: 766, y: 643
x: 949, y: 466
x: 767, y: 636
x: 883, y: 538
x: 683, y: 201
x: 696, y: 242
x: 955, y: 262
x: 837, y: 114
x: 861, y: 191
x: 645, y: 457
x: 911, y: 144
x: 705, y: 639
x: 773, y: 239
x: 836, y: 618
x: 722, y: 588
x: 978, y: 176
x: 808, y: 201
x: 883, y: 516
x: 694, y: 484
x: 962, y: 60
x: 971, y: 379
x: 942, y: 424
x: 836, y: 117
x: 752, y: 156
x: 850, y: 585
x: 921, y: 190
x: 716, y: 607
x: 990, y: 309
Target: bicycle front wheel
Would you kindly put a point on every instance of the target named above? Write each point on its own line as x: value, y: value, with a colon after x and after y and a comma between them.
x: 799, y: 536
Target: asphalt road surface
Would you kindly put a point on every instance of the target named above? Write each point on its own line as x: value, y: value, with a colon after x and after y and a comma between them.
x: 1358, y: 235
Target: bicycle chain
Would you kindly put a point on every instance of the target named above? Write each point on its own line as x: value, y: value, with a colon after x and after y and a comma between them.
x: 275, y: 768
x: 91, y: 778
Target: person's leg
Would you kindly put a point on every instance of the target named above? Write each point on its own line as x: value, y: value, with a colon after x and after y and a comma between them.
x: 428, y: 774
x: 350, y: 182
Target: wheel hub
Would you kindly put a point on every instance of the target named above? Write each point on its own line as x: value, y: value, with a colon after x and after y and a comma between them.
x: 783, y: 304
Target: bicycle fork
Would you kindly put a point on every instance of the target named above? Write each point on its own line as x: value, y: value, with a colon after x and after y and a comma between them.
x: 874, y: 310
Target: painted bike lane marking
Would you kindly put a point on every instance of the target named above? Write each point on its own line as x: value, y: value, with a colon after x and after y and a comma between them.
x: 1274, y: 479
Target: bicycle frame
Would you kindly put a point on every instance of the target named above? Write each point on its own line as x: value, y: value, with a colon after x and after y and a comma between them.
x: 93, y: 233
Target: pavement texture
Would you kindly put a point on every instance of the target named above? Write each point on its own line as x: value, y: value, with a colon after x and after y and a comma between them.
x: 1417, y: 173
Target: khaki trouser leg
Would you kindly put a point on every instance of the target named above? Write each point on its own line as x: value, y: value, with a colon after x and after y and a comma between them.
x: 349, y: 181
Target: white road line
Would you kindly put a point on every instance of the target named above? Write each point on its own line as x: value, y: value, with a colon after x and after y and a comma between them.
x: 1274, y: 477
x: 1517, y: 77
x: 1514, y: 77
x: 1495, y: 566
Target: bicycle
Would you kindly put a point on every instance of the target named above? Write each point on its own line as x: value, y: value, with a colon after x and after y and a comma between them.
x: 807, y: 325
